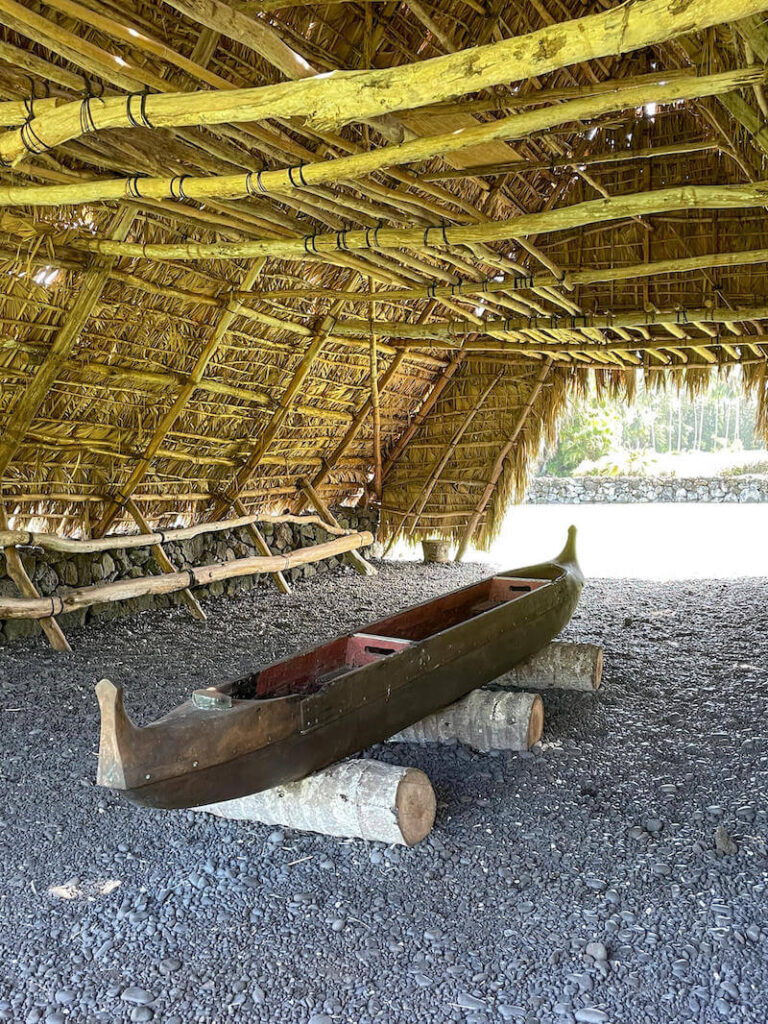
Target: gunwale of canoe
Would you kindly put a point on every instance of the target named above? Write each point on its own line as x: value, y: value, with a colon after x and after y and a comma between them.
x: 305, y: 712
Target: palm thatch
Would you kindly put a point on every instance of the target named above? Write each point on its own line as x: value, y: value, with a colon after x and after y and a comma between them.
x: 228, y: 273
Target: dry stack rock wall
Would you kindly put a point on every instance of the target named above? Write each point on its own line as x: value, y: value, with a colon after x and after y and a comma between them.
x: 588, y: 490
x: 53, y: 572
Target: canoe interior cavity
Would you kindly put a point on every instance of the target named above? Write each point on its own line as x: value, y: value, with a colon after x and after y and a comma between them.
x: 312, y: 670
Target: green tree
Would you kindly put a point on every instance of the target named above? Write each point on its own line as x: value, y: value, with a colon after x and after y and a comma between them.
x: 590, y: 430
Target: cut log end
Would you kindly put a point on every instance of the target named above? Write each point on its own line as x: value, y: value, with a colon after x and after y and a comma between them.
x: 415, y: 806
x: 535, y: 722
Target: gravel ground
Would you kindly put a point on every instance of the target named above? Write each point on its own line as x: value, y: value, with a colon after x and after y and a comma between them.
x: 579, y: 882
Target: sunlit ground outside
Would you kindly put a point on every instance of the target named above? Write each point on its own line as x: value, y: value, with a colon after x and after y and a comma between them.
x: 653, y: 541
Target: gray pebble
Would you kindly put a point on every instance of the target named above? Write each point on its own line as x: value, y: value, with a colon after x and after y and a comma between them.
x: 591, y: 1015
x: 137, y: 996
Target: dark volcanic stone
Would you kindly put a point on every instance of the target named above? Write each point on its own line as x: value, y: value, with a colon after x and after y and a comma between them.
x: 532, y: 858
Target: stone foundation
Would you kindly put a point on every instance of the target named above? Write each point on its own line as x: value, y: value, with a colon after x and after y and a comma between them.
x: 52, y: 572
x: 587, y: 490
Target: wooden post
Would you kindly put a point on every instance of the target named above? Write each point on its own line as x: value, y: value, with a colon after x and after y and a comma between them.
x: 377, y: 477
x: 360, y: 799
x: 485, y: 720
x: 26, y: 588
x: 353, y: 558
x: 165, y: 563
x: 262, y: 547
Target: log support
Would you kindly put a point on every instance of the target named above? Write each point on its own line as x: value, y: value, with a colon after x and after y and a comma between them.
x: 559, y: 666
x: 484, y: 720
x: 354, y: 799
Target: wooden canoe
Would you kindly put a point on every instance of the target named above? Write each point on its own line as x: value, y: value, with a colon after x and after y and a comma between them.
x: 296, y: 716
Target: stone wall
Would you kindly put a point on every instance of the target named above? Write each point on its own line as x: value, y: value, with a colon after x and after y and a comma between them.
x: 551, y: 490
x: 52, y: 572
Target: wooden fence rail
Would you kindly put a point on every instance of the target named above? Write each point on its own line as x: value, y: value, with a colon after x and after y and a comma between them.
x: 120, y: 542
x: 123, y: 590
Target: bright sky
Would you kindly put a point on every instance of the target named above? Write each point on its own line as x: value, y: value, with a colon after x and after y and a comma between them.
x: 654, y: 541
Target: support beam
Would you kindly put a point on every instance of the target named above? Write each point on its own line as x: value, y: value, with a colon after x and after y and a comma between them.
x: 225, y: 501
x: 498, y: 465
x: 186, y: 595
x: 340, y: 450
x: 520, y: 282
x: 353, y: 558
x: 26, y: 408
x: 329, y: 101
x: 280, y: 415
x: 181, y: 401
x: 565, y: 218
x: 428, y: 403
x: 25, y: 586
x: 558, y: 326
x: 295, y: 180
x: 262, y: 547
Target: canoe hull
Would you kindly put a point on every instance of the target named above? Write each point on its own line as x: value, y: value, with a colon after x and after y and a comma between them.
x: 298, y: 734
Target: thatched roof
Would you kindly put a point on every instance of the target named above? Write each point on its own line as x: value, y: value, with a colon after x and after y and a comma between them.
x: 194, y: 214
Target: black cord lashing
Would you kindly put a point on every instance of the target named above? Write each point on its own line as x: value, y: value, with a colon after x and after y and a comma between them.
x: 132, y: 186
x: 31, y: 140
x: 300, y: 171
x: 142, y: 121
x: 310, y: 244
x: 178, y: 183
x: 260, y: 188
x: 120, y: 499
x: 87, y: 124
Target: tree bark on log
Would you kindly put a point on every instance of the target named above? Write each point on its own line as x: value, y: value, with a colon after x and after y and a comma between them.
x: 485, y: 720
x: 559, y: 666
x: 355, y: 799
